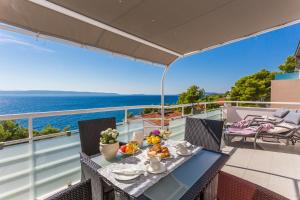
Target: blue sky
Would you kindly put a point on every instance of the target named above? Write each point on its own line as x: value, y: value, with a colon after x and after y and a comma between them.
x: 28, y: 63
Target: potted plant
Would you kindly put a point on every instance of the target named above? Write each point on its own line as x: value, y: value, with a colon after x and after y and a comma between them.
x: 109, y: 145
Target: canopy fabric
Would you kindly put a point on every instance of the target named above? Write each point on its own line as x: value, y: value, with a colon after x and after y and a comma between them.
x: 174, y: 27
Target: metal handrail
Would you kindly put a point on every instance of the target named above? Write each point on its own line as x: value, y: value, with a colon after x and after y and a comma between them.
x: 124, y: 108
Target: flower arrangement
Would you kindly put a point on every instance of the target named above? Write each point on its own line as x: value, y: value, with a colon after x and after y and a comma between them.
x: 161, y: 133
x: 155, y: 136
x: 109, y: 136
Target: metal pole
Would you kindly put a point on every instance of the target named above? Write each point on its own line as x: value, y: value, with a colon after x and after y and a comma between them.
x: 126, y: 116
x: 162, y: 100
x: 32, y: 164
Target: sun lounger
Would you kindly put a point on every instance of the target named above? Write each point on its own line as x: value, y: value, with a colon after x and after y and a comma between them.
x: 256, y: 120
x: 283, y: 130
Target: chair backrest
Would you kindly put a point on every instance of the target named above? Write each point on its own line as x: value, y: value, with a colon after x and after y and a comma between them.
x: 90, y: 133
x: 80, y: 191
x: 233, y: 187
x: 204, y: 132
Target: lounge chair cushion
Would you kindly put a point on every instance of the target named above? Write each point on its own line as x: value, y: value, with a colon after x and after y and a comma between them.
x: 281, y: 112
x: 280, y: 128
x: 293, y: 117
x: 241, y: 124
x: 250, y: 131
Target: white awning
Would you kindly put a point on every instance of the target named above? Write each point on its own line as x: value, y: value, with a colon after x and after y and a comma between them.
x: 155, y: 31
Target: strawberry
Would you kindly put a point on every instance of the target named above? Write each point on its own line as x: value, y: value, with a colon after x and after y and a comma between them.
x: 123, y: 148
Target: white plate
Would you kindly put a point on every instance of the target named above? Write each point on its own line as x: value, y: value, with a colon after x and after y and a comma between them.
x: 188, y: 153
x: 188, y: 145
x: 170, y: 157
x: 183, y: 142
x: 161, y: 170
x: 125, y: 177
x: 130, y: 154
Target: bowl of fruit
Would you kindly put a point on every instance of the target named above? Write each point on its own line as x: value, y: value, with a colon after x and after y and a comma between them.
x: 153, y: 139
x: 156, y: 136
x: 129, y: 148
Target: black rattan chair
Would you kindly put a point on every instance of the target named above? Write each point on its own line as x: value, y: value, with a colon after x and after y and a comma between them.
x: 204, y: 132
x: 100, y: 190
x: 90, y: 133
x: 80, y: 191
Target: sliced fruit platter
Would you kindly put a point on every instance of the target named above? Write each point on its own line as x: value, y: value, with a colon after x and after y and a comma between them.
x: 130, y: 148
x: 159, y: 150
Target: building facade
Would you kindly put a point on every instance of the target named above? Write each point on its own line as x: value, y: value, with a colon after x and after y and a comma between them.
x: 286, y: 87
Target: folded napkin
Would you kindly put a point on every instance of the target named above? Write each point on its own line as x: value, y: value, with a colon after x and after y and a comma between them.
x: 127, y: 172
x: 183, y: 142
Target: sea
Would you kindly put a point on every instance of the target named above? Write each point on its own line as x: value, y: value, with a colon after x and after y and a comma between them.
x: 28, y: 104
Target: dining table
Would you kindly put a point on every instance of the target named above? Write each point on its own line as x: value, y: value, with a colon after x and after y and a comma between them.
x: 185, y: 177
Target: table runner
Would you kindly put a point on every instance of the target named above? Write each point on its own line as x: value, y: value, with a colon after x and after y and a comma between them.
x: 139, y: 185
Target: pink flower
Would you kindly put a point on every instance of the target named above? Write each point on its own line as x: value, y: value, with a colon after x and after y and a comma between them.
x: 155, y: 132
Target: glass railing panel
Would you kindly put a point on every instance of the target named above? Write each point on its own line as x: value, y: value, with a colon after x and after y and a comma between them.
x: 177, y: 127
x: 15, y: 175
x: 56, y: 163
x: 56, y: 159
x: 126, y: 130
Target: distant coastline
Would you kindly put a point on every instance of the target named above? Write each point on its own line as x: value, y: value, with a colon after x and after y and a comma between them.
x: 56, y: 93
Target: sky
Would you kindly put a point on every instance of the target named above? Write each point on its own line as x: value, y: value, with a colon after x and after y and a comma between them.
x: 29, y: 63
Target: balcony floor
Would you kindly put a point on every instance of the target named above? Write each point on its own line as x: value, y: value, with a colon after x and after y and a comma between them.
x: 272, y: 165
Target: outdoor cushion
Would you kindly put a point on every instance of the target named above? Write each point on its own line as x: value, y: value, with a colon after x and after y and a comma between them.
x: 293, y: 117
x: 241, y: 124
x: 281, y: 112
x: 266, y: 127
x: 277, y: 130
x: 250, y: 131
x: 280, y: 128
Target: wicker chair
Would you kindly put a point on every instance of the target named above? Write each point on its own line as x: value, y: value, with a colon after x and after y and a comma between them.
x: 80, y: 191
x: 100, y: 190
x: 231, y: 187
x: 90, y: 133
x: 204, y: 132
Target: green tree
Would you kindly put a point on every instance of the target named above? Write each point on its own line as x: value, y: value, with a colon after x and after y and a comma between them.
x: 192, y: 95
x: 256, y: 87
x: 150, y: 110
x: 67, y: 128
x: 49, y: 129
x: 130, y: 115
x: 4, y: 134
x: 289, y: 65
x: 10, y: 130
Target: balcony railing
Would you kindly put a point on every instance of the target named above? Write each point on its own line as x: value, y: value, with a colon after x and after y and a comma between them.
x: 36, y: 166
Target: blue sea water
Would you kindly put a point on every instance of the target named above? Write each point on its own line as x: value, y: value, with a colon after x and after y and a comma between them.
x: 25, y: 104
